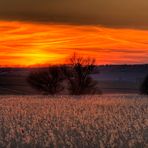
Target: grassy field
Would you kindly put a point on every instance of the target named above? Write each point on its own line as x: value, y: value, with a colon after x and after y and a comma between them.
x: 64, y: 121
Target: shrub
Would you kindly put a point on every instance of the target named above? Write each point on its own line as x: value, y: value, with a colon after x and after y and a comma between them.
x: 47, y: 81
x: 144, y: 86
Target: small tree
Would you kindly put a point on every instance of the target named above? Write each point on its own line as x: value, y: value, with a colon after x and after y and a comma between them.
x: 144, y: 86
x: 78, y: 76
x: 47, y: 81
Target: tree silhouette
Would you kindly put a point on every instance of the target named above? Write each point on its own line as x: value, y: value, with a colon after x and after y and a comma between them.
x: 47, y: 81
x: 78, y: 75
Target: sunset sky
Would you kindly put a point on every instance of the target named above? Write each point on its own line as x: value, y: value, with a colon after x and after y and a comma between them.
x: 47, y: 32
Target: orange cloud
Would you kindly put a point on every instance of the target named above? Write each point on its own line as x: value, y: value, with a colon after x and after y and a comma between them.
x: 28, y: 44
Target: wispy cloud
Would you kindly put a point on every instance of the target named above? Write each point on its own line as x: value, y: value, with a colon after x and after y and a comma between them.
x: 23, y: 43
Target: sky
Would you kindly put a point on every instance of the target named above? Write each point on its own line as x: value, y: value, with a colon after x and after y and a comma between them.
x: 48, y: 31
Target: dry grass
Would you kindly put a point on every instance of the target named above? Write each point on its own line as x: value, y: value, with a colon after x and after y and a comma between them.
x: 98, y: 121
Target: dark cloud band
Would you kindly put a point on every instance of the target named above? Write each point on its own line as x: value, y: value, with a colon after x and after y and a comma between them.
x: 111, y: 13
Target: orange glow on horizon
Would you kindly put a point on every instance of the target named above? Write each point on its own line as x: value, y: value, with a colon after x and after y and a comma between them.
x: 26, y: 44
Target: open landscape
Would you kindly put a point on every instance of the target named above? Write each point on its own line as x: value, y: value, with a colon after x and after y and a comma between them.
x: 74, y: 121
x: 74, y: 74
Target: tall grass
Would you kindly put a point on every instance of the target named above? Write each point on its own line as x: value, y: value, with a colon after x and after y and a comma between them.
x: 99, y: 121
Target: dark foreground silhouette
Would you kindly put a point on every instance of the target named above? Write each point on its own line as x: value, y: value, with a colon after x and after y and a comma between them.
x: 74, y: 78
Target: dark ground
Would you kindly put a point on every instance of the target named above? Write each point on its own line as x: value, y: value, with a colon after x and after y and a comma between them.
x: 112, y: 79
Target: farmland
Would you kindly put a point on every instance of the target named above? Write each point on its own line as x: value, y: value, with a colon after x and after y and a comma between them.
x: 68, y: 121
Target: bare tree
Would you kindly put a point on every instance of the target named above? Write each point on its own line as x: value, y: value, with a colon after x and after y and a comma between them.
x: 78, y: 75
x: 47, y: 81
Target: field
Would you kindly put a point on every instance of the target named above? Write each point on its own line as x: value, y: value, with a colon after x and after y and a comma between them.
x: 64, y: 121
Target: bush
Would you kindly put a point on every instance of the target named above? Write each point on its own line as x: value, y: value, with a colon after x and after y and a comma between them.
x: 47, y: 81
x: 144, y: 86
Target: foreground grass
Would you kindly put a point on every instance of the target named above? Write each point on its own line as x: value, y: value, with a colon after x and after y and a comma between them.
x: 99, y: 121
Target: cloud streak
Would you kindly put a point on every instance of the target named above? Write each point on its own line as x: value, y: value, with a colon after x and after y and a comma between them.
x: 25, y: 44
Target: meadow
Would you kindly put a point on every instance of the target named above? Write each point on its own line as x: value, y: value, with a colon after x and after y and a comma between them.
x: 68, y: 121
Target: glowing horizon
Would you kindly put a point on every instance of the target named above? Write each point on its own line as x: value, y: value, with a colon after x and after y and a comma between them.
x: 26, y: 44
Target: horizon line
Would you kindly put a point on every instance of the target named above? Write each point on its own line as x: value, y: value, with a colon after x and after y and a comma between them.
x: 46, y: 66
